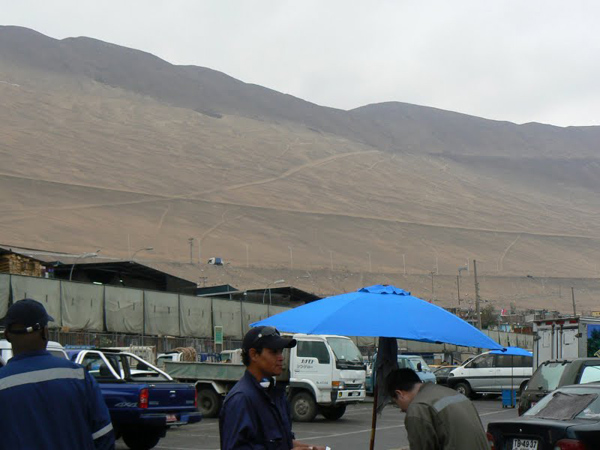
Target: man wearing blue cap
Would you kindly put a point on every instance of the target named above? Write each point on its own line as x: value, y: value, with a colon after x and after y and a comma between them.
x: 47, y: 402
x: 255, y: 413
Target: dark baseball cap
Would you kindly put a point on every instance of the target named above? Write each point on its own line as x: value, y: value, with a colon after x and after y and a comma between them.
x: 266, y: 337
x: 29, y: 313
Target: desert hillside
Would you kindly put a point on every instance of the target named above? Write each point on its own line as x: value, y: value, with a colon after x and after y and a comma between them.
x: 113, y: 148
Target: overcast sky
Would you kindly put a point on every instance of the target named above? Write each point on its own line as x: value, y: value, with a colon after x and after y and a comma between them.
x: 516, y: 60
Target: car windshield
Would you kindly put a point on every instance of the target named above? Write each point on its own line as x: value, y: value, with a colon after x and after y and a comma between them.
x: 416, y: 360
x: 547, y: 376
x: 344, y: 349
x: 568, y: 404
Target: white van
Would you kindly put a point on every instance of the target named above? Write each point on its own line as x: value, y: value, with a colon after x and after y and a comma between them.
x: 6, y: 350
x: 490, y: 373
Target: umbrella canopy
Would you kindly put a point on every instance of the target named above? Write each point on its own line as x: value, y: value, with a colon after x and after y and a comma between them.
x: 514, y: 351
x: 380, y: 311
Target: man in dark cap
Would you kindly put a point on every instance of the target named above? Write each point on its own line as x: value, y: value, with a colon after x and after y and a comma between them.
x: 255, y: 413
x: 437, y: 417
x: 47, y: 402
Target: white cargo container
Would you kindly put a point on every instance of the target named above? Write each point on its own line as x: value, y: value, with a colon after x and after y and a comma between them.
x: 565, y: 338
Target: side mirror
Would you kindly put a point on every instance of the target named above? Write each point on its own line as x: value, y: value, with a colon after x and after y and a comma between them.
x: 419, y: 367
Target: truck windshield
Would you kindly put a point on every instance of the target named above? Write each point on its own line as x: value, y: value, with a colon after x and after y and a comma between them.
x: 345, y: 352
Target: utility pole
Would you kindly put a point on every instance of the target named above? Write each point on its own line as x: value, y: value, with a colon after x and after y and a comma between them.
x: 460, y: 269
x: 291, y: 258
x: 191, y: 241
x: 573, y: 298
x: 477, y: 299
x: 432, y: 273
x: 370, y: 266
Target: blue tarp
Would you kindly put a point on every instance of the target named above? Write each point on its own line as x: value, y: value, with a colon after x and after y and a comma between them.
x: 380, y: 311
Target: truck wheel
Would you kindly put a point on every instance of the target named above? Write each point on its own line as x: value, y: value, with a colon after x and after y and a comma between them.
x: 464, y: 389
x: 304, y: 407
x: 141, y: 439
x: 333, y: 412
x: 209, y: 402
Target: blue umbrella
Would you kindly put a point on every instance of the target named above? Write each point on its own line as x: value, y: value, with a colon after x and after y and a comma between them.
x: 512, y: 351
x: 380, y: 311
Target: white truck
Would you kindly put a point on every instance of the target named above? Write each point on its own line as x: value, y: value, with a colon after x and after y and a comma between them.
x: 323, y: 374
x: 565, y: 339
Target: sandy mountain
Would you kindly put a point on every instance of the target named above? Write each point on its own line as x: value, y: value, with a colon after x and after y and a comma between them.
x: 113, y: 148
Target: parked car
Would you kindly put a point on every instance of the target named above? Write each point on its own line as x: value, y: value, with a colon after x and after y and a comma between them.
x: 414, y: 362
x: 144, y: 402
x: 490, y: 373
x: 551, y: 375
x: 442, y: 373
x: 53, y: 347
x: 566, y: 419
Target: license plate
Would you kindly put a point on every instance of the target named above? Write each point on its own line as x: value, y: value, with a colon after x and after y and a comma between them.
x: 524, y: 444
x: 171, y: 418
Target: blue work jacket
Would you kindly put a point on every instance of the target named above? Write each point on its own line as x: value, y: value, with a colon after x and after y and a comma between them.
x: 51, y: 403
x: 255, y: 418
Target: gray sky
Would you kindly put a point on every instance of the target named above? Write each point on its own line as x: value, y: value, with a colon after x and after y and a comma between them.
x: 516, y: 60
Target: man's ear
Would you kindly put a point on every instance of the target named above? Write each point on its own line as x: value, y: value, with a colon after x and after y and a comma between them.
x: 252, y: 353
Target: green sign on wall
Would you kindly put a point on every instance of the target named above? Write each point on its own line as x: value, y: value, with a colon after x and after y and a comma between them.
x: 219, y: 335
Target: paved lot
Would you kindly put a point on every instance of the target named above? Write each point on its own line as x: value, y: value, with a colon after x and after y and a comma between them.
x: 350, y: 432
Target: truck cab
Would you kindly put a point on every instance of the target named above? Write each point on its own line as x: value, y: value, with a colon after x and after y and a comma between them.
x: 326, y: 373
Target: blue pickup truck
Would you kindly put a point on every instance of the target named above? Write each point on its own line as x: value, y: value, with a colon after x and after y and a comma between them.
x: 144, y: 402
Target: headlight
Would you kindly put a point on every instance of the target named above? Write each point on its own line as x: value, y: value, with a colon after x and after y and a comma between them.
x: 338, y: 385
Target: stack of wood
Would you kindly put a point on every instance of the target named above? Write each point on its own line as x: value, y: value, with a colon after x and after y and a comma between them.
x: 20, y: 265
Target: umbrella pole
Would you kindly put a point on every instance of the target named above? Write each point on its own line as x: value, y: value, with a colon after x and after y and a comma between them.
x: 373, y: 420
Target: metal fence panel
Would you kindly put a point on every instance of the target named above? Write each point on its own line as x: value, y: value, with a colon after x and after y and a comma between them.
x: 82, y: 306
x: 195, y: 316
x: 161, y: 313
x: 43, y: 290
x: 124, y: 309
x: 4, y: 293
x: 228, y: 314
x: 253, y: 312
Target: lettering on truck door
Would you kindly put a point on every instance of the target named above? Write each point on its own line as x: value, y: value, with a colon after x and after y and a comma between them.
x: 313, y: 362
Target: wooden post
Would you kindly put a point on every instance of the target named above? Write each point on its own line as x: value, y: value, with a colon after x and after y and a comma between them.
x: 374, y: 417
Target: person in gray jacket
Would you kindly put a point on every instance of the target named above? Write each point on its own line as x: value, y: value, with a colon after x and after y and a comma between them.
x: 437, y: 417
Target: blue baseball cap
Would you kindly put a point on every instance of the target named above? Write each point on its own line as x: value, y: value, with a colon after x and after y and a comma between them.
x: 27, y: 312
